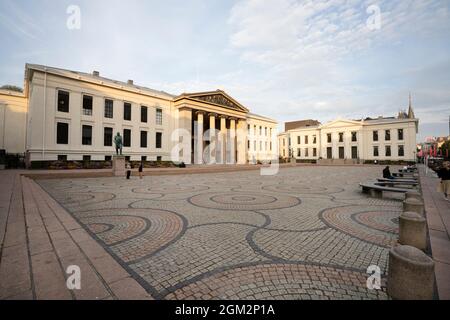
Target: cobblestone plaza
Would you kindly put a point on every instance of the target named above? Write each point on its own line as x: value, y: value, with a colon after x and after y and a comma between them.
x: 305, y: 233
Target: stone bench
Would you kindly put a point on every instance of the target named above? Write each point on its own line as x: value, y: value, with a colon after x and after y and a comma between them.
x: 392, y: 182
x: 376, y: 188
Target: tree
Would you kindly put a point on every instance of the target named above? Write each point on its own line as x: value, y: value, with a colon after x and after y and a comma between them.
x: 11, y: 88
x: 445, y: 146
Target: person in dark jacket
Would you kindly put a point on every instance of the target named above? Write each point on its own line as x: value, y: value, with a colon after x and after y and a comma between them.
x: 128, y: 168
x: 387, y: 173
x: 444, y: 174
x: 141, y: 168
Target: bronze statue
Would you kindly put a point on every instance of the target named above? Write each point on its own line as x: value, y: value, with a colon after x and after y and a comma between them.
x: 118, y: 143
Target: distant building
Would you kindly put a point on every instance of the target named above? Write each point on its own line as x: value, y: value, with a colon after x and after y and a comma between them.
x: 354, y: 141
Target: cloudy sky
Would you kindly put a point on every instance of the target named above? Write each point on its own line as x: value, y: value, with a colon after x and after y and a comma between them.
x: 285, y: 59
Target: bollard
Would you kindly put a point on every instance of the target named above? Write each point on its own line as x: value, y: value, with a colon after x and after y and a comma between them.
x: 410, y: 274
x: 413, y: 195
x: 413, y: 230
x: 413, y: 205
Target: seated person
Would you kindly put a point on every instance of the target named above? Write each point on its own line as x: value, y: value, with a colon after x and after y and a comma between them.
x: 387, y: 173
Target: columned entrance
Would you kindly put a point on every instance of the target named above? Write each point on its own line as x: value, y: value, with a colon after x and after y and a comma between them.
x: 214, y: 128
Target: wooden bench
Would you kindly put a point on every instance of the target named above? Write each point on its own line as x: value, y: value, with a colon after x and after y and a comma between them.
x: 375, y: 189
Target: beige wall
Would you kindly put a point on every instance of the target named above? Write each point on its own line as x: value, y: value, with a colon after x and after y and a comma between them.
x: 263, y: 143
x: 364, y: 144
x: 43, y: 120
x: 13, y: 115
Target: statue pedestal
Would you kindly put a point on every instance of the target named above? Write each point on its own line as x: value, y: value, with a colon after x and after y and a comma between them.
x: 118, y: 166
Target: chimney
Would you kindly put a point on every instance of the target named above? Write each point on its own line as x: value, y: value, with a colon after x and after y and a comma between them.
x: 96, y: 73
x: 130, y: 82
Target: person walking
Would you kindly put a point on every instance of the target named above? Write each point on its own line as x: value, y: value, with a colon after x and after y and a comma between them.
x: 141, y: 168
x: 444, y: 174
x: 128, y: 167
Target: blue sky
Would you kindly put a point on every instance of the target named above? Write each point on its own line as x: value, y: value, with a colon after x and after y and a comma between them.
x: 285, y: 59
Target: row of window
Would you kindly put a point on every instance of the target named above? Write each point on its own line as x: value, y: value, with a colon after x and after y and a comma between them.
x: 354, y: 137
x: 260, y: 130
x: 387, y: 135
x: 62, y: 136
x: 260, y: 145
x: 306, y: 152
x: 63, y: 157
x: 306, y: 139
x: 388, y: 151
x: 63, y: 106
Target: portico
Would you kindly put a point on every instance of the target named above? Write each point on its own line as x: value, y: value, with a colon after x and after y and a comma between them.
x: 212, y: 128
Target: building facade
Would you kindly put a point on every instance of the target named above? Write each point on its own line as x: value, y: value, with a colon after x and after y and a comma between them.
x: 349, y: 141
x: 68, y: 115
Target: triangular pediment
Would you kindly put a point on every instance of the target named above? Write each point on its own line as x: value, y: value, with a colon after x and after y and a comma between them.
x: 218, y: 98
x: 341, y: 123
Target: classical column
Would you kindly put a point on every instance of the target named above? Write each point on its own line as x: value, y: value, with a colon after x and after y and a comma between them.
x: 198, y: 150
x: 185, y: 135
x: 223, y: 135
x: 231, y: 143
x: 212, y: 138
x: 242, y: 142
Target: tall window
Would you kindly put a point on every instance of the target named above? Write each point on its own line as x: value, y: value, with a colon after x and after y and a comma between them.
x: 63, y: 101
x: 62, y: 133
x: 306, y: 152
x: 260, y: 146
x: 354, y: 136
x: 109, y: 109
x: 248, y: 128
x: 86, y: 135
x: 299, y: 140
x: 306, y: 139
x: 388, y: 151
x: 143, y: 139
x: 341, y: 153
x: 299, y: 152
x: 401, y: 151
x: 144, y: 114
x: 158, y: 140
x: 329, y: 138
x: 159, y: 116
x: 387, y: 135
x: 127, y: 111
x: 107, y: 137
x: 87, y: 105
x: 400, y: 134
x: 341, y: 137
x: 314, y: 139
x: 265, y: 131
x: 126, y: 137
x: 329, y: 153
x: 314, y: 152
x: 354, y: 152
x: 376, y: 152
x: 260, y: 130
x: 254, y: 145
x: 375, y: 136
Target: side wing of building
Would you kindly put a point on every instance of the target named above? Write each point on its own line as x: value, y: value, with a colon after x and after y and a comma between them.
x: 13, y: 119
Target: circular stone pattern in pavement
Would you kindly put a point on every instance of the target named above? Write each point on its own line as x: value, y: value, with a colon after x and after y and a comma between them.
x: 169, y: 189
x: 133, y: 233
x: 301, y: 189
x: 282, y: 282
x: 376, y: 226
x: 243, y: 201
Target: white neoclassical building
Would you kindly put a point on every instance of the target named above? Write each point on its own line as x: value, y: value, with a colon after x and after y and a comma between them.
x: 70, y: 115
x: 350, y: 141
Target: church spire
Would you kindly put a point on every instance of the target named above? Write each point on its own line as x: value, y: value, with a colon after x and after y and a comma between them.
x: 410, y: 109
